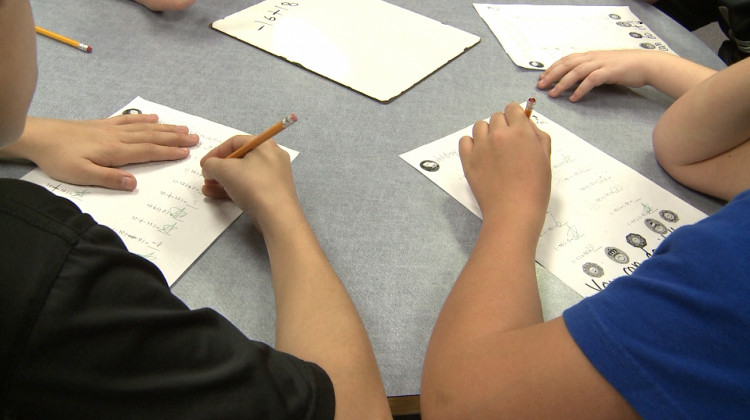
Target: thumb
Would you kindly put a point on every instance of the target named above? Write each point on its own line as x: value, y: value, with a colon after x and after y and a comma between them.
x: 211, y: 167
x: 218, y: 172
x: 112, y: 178
x: 228, y: 146
x: 212, y: 175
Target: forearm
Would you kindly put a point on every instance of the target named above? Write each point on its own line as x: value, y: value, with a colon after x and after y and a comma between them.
x: 495, y: 294
x: 315, y: 318
x: 701, y: 140
x: 497, y: 290
x: 673, y: 75
x: 317, y: 321
x: 497, y: 284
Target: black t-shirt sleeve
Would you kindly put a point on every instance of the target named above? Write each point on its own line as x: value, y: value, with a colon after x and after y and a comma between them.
x: 106, y: 338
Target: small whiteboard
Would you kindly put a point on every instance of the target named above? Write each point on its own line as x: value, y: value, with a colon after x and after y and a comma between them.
x: 370, y: 46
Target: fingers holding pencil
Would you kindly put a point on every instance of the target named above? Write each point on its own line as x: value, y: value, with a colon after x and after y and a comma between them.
x: 261, y: 183
x: 225, y: 149
x: 264, y: 176
x: 213, y: 188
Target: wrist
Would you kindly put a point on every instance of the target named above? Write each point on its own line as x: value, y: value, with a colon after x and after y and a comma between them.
x: 673, y: 75
x: 15, y: 150
x: 25, y: 146
x: 523, y: 226
x: 280, y: 221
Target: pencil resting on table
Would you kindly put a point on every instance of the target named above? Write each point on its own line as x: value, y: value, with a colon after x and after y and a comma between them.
x: 64, y: 39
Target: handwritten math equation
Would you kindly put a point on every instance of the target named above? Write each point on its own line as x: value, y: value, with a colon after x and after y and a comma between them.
x: 152, y: 246
x: 76, y: 194
x: 271, y: 17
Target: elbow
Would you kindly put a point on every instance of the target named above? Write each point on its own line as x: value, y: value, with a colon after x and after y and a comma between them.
x: 659, y: 142
x: 443, y: 395
x: 437, y: 403
x: 664, y: 144
x: 709, y: 177
x: 12, y: 128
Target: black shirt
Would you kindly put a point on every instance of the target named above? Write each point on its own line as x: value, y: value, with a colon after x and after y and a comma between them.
x: 89, y: 330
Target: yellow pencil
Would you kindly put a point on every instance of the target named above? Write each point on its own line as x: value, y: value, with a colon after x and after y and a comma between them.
x: 64, y: 39
x: 258, y: 140
x: 530, y: 107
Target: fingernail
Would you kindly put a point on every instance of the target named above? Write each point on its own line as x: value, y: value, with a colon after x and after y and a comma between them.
x: 128, y: 183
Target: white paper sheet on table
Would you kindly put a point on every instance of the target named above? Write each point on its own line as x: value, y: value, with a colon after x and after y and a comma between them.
x: 535, y: 36
x: 603, y: 219
x: 371, y: 46
x: 167, y: 219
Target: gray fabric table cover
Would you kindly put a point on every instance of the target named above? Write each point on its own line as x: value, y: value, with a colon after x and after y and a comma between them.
x: 396, y: 240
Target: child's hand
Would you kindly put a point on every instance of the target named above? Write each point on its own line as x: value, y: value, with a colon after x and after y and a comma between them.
x: 595, y: 68
x: 90, y: 152
x: 260, y: 183
x: 507, y: 165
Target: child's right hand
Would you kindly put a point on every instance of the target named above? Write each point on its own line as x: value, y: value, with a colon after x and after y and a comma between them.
x: 260, y: 183
x: 507, y: 166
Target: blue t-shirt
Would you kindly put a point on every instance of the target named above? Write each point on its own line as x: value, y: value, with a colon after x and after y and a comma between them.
x: 674, y: 337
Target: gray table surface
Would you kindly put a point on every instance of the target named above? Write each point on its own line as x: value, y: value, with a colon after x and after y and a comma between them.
x: 397, y: 241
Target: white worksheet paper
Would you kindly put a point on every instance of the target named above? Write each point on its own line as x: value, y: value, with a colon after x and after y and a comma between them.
x: 603, y: 219
x: 370, y: 46
x: 167, y: 219
x: 535, y: 36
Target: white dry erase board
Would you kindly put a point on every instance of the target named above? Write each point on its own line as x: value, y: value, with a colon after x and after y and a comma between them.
x: 370, y: 46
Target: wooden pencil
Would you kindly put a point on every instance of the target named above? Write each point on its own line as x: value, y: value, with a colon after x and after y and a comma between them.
x: 259, y: 139
x: 64, y: 39
x: 530, y: 107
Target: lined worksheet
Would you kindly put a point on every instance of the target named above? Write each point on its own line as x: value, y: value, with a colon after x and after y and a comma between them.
x: 535, y: 36
x: 603, y: 219
x: 167, y: 219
